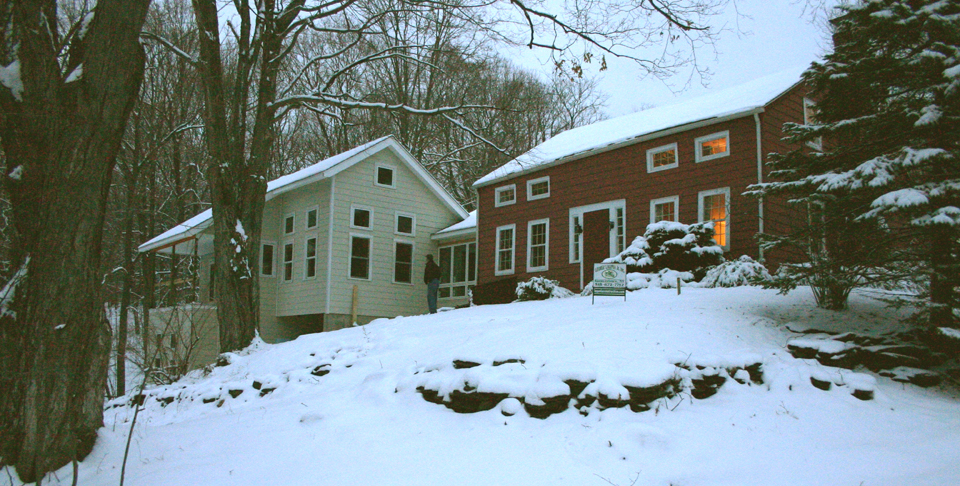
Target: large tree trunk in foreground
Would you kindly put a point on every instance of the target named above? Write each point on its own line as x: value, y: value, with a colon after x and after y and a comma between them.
x: 61, y: 140
x: 238, y: 170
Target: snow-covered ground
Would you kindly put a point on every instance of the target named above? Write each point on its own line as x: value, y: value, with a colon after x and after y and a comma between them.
x: 364, y: 423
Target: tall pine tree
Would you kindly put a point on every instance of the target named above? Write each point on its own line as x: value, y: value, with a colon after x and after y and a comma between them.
x: 885, y: 189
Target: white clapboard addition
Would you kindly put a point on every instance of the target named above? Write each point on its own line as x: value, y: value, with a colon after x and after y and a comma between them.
x: 610, y: 279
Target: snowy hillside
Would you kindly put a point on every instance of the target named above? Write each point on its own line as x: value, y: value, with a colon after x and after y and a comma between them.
x: 353, y: 407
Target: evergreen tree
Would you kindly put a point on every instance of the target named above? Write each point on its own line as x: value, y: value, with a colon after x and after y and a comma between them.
x: 885, y: 189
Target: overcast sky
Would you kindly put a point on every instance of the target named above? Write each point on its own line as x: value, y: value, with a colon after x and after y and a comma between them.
x: 775, y: 36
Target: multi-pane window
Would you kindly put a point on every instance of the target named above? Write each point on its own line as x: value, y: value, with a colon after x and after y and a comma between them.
x: 538, y: 245
x: 577, y: 230
x: 664, y: 209
x: 384, y: 176
x: 406, y: 224
x: 360, y: 257
x: 266, y: 260
x: 361, y: 217
x: 289, y: 224
x: 663, y: 157
x: 310, y: 258
x: 538, y: 188
x: 458, y: 269
x: 403, y: 262
x: 312, y: 218
x: 713, y: 146
x: 505, y: 195
x: 505, y: 240
x: 715, y: 206
x: 288, y: 262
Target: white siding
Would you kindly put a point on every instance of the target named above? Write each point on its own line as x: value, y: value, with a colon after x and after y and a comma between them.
x: 300, y: 295
x: 355, y: 186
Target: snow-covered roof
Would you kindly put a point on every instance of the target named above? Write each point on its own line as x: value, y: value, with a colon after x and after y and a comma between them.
x: 609, y: 134
x: 465, y: 227
x: 319, y: 171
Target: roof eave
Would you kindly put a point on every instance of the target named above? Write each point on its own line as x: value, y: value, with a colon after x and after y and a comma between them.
x: 455, y: 234
x: 160, y: 244
x: 630, y: 141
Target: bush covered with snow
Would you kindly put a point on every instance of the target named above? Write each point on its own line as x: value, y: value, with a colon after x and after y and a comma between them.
x: 674, y: 246
x: 742, y: 271
x: 541, y: 288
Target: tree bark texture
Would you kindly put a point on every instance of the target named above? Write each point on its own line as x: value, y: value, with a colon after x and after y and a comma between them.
x: 61, y: 140
x: 238, y: 167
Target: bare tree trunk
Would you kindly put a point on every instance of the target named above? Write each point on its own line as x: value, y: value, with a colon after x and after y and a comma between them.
x: 128, y: 268
x: 237, y: 178
x: 61, y: 140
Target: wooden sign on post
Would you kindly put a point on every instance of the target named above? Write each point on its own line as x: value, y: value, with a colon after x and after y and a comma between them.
x: 609, y: 279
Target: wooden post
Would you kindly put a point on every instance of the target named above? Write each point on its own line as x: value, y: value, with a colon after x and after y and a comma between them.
x: 353, y: 308
x: 678, y: 285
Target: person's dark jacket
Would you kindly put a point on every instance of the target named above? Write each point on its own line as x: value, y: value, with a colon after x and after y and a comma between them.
x: 431, y: 271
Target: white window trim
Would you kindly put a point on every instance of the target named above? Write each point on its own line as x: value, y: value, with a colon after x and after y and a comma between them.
x: 663, y: 148
x: 376, y: 172
x: 369, y: 258
x: 496, y: 195
x: 546, y: 253
x: 574, y: 244
x: 513, y: 250
x: 273, y: 245
x: 531, y: 182
x: 713, y: 136
x: 306, y: 218
x: 413, y: 253
x: 814, y: 144
x: 611, y: 206
x: 354, y: 207
x: 316, y: 257
x: 283, y: 260
x: 283, y: 224
x: 712, y: 192
x: 396, y: 223
x: 467, y: 282
x: 654, y: 202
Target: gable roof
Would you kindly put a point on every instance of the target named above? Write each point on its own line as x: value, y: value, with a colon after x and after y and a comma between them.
x: 609, y: 134
x: 316, y: 172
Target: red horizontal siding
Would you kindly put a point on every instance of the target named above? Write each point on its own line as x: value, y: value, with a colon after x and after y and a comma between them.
x: 622, y: 174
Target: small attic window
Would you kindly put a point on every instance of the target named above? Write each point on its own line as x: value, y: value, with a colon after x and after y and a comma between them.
x: 505, y: 195
x: 289, y: 224
x: 713, y: 146
x: 384, y: 176
x: 538, y: 188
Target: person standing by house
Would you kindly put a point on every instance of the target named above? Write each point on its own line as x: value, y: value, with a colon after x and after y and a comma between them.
x: 431, y: 277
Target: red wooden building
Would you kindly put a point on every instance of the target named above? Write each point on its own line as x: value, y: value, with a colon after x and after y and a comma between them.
x: 583, y: 195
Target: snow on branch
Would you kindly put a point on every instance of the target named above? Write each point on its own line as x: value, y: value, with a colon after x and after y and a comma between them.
x: 192, y: 60
x: 333, y: 100
x: 469, y: 130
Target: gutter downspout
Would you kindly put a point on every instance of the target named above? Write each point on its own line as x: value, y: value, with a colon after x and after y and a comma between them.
x: 756, y: 119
